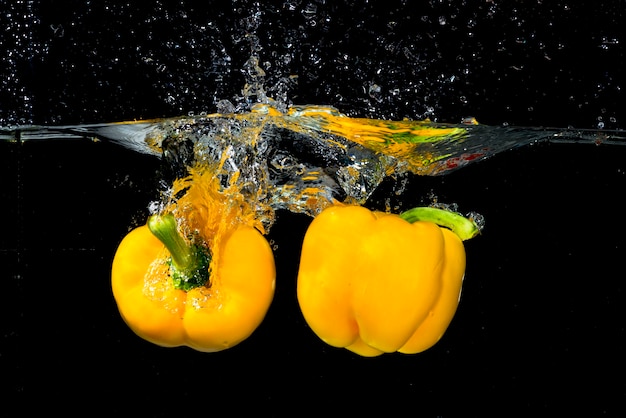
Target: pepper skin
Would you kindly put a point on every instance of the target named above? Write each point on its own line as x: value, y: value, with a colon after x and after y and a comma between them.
x: 374, y: 283
x: 208, y: 318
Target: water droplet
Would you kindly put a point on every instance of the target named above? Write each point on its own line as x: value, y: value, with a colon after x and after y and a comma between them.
x: 225, y: 107
x: 57, y: 30
x: 375, y: 92
x: 478, y: 219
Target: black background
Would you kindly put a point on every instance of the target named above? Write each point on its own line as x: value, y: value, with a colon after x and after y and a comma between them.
x: 540, y: 327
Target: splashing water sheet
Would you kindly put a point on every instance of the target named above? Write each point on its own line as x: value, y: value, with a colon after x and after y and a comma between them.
x: 308, y: 157
x: 299, y: 104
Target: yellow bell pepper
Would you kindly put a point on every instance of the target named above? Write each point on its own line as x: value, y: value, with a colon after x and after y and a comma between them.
x: 376, y: 283
x: 209, y: 290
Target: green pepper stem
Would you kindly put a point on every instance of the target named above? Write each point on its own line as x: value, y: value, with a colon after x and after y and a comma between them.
x: 463, y: 227
x: 165, y: 229
x: 189, y: 265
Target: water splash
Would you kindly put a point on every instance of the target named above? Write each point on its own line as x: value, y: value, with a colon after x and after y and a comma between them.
x: 307, y: 157
x: 302, y: 158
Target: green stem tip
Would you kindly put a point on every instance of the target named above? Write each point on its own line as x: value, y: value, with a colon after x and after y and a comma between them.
x: 189, y: 264
x: 463, y: 227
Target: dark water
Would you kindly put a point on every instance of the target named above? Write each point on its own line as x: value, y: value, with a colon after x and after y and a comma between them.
x: 540, y: 327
